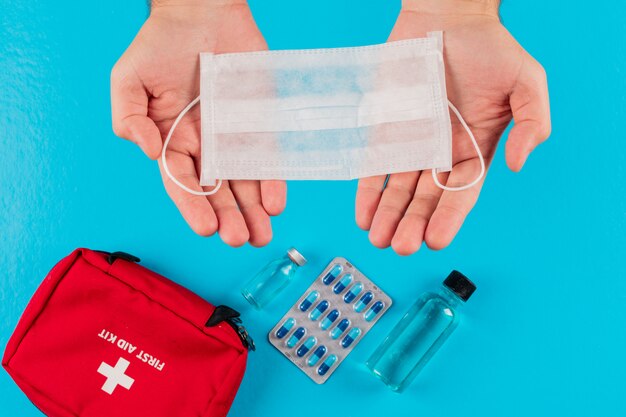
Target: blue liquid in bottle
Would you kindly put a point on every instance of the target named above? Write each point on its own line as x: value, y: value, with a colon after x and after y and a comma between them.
x: 272, y: 279
x: 420, y: 333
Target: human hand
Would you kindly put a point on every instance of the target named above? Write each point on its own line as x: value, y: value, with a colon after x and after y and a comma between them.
x: 156, y: 78
x: 490, y: 79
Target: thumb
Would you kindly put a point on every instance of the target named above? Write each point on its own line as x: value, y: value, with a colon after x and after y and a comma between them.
x: 129, y: 109
x: 530, y: 105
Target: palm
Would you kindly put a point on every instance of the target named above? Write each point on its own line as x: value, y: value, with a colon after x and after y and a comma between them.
x: 482, y: 62
x: 484, y: 66
x: 168, y: 62
x: 163, y: 60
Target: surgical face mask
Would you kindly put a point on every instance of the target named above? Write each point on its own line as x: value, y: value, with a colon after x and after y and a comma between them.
x: 325, y: 114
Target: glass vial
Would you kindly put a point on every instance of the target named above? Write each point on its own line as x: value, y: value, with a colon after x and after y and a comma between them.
x: 272, y: 279
x: 420, y: 333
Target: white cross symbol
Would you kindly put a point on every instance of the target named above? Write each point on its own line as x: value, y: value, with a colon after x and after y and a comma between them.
x: 115, y: 375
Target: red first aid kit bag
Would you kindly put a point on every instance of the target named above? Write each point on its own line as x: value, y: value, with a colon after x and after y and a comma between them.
x: 104, y: 336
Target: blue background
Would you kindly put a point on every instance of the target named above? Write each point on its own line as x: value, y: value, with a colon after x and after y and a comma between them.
x: 544, y: 334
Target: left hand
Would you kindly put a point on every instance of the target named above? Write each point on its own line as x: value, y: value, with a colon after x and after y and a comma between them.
x: 490, y: 79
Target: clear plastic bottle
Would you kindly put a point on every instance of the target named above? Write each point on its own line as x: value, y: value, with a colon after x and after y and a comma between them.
x: 420, y: 333
x: 272, y: 279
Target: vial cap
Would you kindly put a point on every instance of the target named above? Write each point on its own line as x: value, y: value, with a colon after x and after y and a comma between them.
x: 296, y: 256
x: 460, y: 285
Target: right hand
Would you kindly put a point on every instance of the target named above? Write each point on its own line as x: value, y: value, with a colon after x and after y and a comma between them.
x: 156, y: 78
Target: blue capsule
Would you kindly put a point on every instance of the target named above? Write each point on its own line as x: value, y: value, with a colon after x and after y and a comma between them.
x: 309, y: 300
x: 353, y: 292
x: 341, y: 285
x: 373, y: 311
x: 352, y: 335
x: 332, y: 274
x: 284, y: 329
x: 363, y: 302
x: 295, y: 337
x: 317, y: 355
x: 306, y: 346
x: 329, y: 319
x: 319, y: 309
x: 326, y: 365
x: 339, y: 329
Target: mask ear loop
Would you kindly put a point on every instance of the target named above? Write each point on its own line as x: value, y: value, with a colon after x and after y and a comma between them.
x: 480, y: 157
x: 164, y: 160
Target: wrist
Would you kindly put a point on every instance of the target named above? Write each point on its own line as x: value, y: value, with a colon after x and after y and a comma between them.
x: 194, y: 3
x: 190, y: 5
x: 186, y: 10
x: 450, y: 7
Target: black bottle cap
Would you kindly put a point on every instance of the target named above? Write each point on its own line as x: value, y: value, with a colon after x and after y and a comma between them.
x: 460, y: 285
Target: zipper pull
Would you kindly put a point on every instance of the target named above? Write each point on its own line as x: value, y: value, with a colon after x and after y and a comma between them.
x: 245, y: 337
x: 231, y: 316
x: 111, y: 257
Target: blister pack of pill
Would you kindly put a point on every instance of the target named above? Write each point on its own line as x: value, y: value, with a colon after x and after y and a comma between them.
x: 331, y: 317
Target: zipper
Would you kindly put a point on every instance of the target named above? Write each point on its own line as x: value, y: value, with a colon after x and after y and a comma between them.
x: 221, y: 314
x: 225, y: 314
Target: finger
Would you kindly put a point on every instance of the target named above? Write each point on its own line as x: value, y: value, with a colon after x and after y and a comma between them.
x: 129, y: 110
x: 248, y: 196
x: 368, y: 193
x: 453, y: 206
x: 232, y: 226
x: 196, y: 210
x: 530, y: 105
x: 395, y: 199
x: 410, y: 232
x: 274, y: 196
